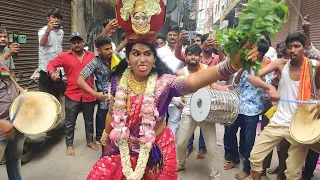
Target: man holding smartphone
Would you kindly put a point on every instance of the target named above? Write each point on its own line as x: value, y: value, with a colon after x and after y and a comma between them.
x: 11, y: 140
x: 50, y: 45
x: 7, y: 52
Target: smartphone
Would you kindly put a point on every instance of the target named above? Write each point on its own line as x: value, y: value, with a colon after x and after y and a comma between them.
x: 60, y: 25
x: 192, y: 35
x: 22, y: 39
x: 212, y: 34
x: 15, y: 37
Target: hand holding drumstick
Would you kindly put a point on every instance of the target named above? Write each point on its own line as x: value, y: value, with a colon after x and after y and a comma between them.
x: 317, y: 109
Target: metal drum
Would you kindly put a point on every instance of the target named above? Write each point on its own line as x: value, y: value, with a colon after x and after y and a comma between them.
x: 305, y: 129
x: 39, y: 112
x: 214, y: 106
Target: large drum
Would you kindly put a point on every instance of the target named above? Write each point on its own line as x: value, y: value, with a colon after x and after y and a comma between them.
x: 214, y: 106
x: 39, y: 112
x: 305, y: 129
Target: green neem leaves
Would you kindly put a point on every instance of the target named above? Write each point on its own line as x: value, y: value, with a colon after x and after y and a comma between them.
x: 259, y: 17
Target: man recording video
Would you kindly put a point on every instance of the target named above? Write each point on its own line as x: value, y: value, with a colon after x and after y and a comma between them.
x: 11, y: 140
x: 50, y: 45
x: 7, y: 52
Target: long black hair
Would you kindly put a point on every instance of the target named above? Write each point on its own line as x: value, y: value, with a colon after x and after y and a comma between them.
x: 161, y: 68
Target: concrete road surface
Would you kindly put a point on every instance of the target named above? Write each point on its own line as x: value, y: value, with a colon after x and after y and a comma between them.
x: 51, y: 162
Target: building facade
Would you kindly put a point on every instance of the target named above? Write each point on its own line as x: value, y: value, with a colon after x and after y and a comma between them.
x: 226, y: 12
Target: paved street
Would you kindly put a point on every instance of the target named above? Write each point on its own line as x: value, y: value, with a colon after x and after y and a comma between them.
x: 51, y: 163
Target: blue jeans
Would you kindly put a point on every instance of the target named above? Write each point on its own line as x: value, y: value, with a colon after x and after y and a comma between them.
x: 100, y: 122
x: 241, y: 142
x: 12, y: 149
x: 202, y: 144
x: 249, y: 125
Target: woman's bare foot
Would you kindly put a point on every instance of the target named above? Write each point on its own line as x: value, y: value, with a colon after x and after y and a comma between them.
x: 273, y: 171
x: 93, y: 146
x: 201, y: 154
x: 70, y: 151
x: 241, y: 175
x: 229, y: 165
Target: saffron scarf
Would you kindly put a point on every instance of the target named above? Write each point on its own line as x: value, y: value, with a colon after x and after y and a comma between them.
x: 305, y: 88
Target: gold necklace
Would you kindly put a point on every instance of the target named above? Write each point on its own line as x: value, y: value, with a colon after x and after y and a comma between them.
x: 135, y: 86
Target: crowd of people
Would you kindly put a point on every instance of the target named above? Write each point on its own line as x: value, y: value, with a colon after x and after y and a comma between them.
x: 143, y: 88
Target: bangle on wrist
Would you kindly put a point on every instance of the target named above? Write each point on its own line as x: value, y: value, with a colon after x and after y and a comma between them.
x: 104, y: 138
x: 227, y: 68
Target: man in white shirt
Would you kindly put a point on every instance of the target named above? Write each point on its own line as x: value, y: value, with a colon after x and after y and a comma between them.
x: 166, y: 53
x: 271, y: 53
x: 50, y: 45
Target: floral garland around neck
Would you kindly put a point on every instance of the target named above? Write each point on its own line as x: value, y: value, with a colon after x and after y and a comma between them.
x: 152, y: 8
x: 121, y: 132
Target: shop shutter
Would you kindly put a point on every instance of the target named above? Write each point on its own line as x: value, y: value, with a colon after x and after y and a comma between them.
x: 311, y: 7
x: 281, y: 36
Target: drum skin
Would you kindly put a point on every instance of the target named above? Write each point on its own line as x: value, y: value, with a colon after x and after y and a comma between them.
x: 214, y: 106
x: 39, y: 112
x: 304, y: 128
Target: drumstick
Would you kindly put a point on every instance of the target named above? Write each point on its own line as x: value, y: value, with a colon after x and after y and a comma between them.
x: 18, y: 108
x: 296, y: 101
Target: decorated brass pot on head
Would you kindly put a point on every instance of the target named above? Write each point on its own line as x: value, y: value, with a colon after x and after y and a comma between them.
x: 141, y: 19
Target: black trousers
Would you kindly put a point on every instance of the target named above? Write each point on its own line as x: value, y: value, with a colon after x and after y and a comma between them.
x: 72, y: 110
x: 310, y: 165
x: 46, y: 84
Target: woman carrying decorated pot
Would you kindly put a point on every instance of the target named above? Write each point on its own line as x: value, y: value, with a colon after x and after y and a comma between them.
x: 137, y: 142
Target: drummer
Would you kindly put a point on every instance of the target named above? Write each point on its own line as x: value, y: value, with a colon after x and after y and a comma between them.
x: 295, y: 83
x: 188, y: 124
x: 11, y: 140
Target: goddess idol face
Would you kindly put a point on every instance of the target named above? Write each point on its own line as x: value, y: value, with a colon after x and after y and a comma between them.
x: 140, y: 23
